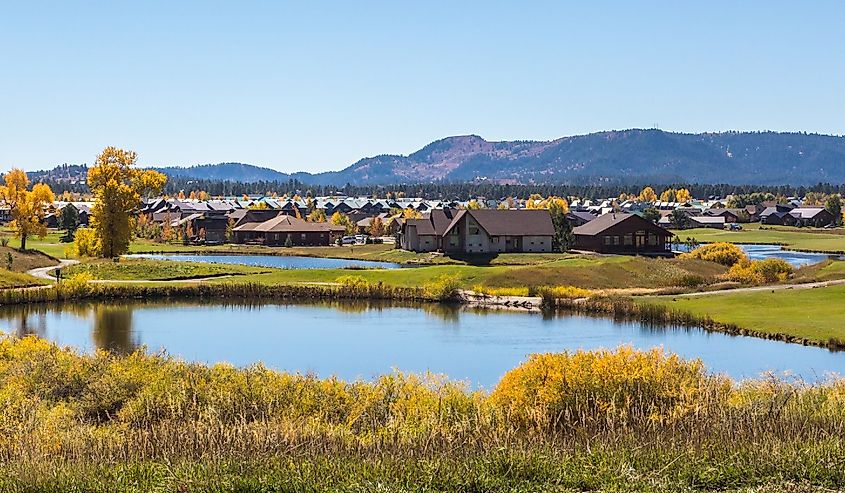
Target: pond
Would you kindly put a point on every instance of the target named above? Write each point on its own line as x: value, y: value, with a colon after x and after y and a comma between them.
x: 361, y: 340
x: 762, y: 252
x: 276, y: 261
x: 796, y: 259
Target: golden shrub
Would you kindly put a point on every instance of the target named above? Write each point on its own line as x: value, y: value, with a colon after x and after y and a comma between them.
x: 558, y: 292
x: 760, y: 271
x: 584, y: 386
x: 86, y: 243
x: 723, y: 253
x: 490, y: 291
x: 442, y: 288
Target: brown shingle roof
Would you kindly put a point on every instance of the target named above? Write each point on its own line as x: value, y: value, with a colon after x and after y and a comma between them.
x: 607, y: 221
x: 288, y: 224
x: 424, y: 226
x: 501, y: 222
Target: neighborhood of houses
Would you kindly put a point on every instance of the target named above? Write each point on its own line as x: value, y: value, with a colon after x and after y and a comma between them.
x: 453, y: 227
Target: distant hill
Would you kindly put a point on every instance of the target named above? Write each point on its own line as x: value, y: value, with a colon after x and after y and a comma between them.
x: 626, y: 156
x: 246, y: 173
x: 765, y: 158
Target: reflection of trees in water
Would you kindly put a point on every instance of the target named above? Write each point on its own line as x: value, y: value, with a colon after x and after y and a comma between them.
x: 24, y: 320
x: 113, y: 328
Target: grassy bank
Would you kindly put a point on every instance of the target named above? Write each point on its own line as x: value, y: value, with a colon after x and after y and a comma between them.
x: 806, y: 239
x: 813, y: 314
x: 592, y: 272
x: 158, y: 270
x: 80, y: 290
x: 615, y: 421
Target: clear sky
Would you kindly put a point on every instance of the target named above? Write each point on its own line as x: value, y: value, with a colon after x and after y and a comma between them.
x: 316, y: 85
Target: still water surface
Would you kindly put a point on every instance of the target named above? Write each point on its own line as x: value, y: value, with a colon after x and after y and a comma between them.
x: 362, y: 340
x: 276, y: 261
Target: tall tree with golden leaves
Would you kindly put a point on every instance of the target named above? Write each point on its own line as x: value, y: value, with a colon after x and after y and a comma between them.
x: 118, y: 188
x: 27, y: 207
x: 648, y: 195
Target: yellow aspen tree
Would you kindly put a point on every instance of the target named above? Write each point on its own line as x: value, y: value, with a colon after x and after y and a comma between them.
x: 27, y: 207
x: 647, y: 195
x: 118, y: 188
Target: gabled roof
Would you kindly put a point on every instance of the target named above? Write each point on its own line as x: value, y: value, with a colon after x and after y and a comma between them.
x: 806, y: 212
x: 507, y: 222
x: 284, y: 223
x: 607, y: 221
x: 584, y: 216
x: 708, y: 219
x: 434, y: 223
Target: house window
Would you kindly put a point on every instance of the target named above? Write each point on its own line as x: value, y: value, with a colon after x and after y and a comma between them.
x: 616, y: 240
x: 473, y: 230
x: 608, y: 240
x: 303, y: 236
x: 495, y: 239
x: 629, y: 239
x: 652, y: 239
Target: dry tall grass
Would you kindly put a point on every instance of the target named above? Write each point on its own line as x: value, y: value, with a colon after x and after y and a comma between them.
x: 624, y: 417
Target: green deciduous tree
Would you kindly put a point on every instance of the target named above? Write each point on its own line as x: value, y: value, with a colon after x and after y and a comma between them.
x: 563, y: 238
x: 69, y: 221
x: 833, y: 204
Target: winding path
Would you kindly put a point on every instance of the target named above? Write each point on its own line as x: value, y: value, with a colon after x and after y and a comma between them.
x: 44, y: 272
x: 753, y: 289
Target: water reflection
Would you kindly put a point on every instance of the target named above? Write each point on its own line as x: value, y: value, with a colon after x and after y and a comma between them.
x: 113, y: 329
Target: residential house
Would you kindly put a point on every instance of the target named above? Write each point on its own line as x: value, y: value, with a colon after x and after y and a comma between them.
x: 425, y: 234
x: 812, y: 216
x: 284, y: 229
x: 714, y: 222
x: 730, y: 215
x: 622, y: 233
x: 499, y: 231
x: 579, y: 218
x: 777, y: 215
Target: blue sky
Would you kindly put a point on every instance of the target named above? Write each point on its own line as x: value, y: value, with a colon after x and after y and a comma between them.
x: 317, y: 85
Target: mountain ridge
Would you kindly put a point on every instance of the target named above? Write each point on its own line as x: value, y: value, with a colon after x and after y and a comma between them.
x: 614, y: 156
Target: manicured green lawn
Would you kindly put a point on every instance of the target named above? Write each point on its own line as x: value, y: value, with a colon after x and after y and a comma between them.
x: 50, y: 244
x: 158, y: 270
x: 817, y: 314
x: 821, y: 240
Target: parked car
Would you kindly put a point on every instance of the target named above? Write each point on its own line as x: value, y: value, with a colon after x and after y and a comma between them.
x: 735, y: 227
x: 361, y: 239
x: 348, y: 240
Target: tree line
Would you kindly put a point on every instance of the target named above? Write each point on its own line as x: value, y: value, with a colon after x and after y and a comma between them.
x: 456, y: 191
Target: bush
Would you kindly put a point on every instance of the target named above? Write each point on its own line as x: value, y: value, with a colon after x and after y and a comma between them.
x: 486, y: 290
x: 86, y: 243
x: 560, y: 292
x: 723, y: 253
x: 75, y: 286
x: 595, y: 386
x: 356, y: 282
x: 760, y: 271
x: 442, y: 288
